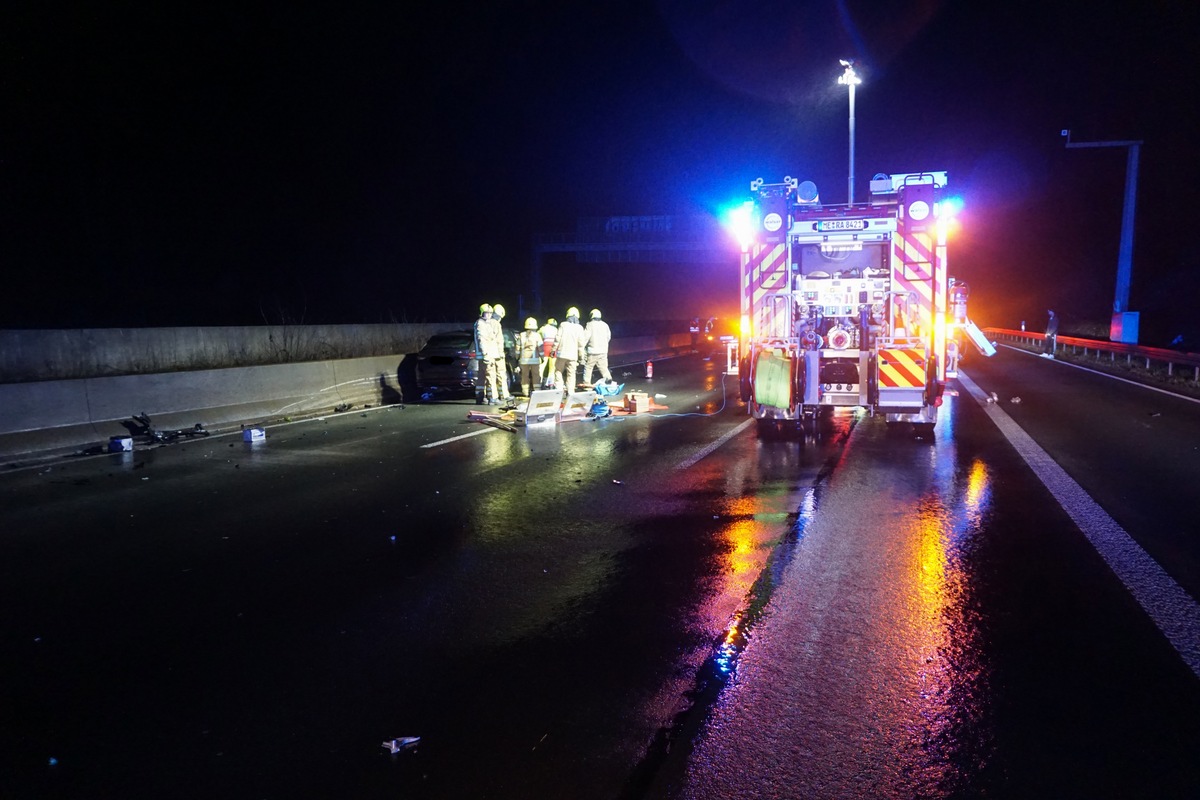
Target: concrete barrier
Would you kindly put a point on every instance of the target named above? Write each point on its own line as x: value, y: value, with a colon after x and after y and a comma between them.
x: 40, y: 417
x: 50, y: 355
x: 49, y: 415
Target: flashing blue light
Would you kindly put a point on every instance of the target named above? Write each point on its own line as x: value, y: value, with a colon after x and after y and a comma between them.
x: 950, y: 206
x: 740, y: 222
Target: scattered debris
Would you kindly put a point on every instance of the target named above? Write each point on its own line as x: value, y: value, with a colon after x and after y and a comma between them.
x: 1156, y: 413
x: 617, y: 482
x: 141, y: 426
x: 494, y: 420
x: 342, y: 407
x: 1015, y: 400
x: 402, y: 743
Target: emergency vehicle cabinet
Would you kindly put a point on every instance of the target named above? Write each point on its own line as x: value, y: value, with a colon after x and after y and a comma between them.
x: 847, y: 305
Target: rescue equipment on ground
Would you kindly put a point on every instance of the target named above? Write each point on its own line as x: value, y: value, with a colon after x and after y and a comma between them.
x: 600, y: 408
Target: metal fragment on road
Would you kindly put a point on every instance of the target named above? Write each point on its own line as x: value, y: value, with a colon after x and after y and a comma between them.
x: 402, y: 743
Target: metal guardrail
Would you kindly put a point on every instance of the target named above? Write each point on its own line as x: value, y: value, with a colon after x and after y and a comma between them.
x: 1150, y: 355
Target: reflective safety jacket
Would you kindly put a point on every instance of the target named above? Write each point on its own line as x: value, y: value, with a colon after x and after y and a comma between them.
x: 529, y: 347
x: 549, y: 334
x: 597, y: 336
x: 489, y: 339
x: 570, y: 340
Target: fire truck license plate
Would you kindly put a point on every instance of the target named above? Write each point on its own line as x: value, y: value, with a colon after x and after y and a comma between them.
x: 841, y: 224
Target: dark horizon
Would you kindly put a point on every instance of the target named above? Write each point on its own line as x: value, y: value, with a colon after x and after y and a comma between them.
x: 239, y: 166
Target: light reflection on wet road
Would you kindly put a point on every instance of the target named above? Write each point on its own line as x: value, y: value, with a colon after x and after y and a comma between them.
x: 858, y: 677
x: 556, y: 613
x: 908, y: 651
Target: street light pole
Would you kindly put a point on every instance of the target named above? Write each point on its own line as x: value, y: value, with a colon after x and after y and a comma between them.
x: 850, y: 79
x: 1124, y: 326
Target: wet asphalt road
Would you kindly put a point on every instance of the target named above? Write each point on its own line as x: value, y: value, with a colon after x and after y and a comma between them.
x: 564, y: 612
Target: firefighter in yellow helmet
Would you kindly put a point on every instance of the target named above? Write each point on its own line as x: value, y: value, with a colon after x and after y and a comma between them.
x: 549, y: 333
x: 570, y: 345
x: 597, y: 335
x: 529, y: 357
x: 488, y: 342
x: 500, y: 364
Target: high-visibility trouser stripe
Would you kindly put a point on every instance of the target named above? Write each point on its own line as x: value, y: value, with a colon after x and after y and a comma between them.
x: 901, y: 368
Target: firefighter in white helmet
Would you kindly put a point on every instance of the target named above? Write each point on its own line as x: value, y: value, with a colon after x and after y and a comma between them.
x: 569, y: 345
x: 501, y: 361
x: 597, y: 335
x: 529, y: 357
x: 488, y: 342
x: 549, y: 333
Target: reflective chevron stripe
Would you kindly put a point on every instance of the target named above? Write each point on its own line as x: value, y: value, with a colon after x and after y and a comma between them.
x: 901, y: 368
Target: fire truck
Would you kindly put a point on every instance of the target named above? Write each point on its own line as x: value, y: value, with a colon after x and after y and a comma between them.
x: 849, y: 305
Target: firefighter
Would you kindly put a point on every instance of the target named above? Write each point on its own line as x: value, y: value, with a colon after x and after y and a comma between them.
x: 1051, y: 343
x: 570, y: 341
x: 529, y: 351
x: 549, y: 333
x: 488, y: 342
x: 597, y: 335
x: 501, y: 361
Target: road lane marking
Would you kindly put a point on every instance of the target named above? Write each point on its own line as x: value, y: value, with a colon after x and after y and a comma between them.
x: 1171, y: 608
x: 691, y: 462
x: 457, y: 438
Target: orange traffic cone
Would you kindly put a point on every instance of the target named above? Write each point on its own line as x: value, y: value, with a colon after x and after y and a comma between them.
x: 649, y: 369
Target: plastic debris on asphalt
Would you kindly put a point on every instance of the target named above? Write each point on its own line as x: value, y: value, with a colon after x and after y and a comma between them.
x: 403, y: 743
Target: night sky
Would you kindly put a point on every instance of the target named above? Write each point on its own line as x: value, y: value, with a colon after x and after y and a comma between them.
x: 214, y: 164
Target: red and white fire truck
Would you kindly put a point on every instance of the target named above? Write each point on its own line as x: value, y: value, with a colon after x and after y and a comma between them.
x: 847, y: 305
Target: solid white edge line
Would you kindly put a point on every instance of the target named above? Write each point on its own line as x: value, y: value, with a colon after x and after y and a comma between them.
x: 1171, y: 608
x: 691, y: 462
x: 457, y: 438
x: 1167, y: 392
